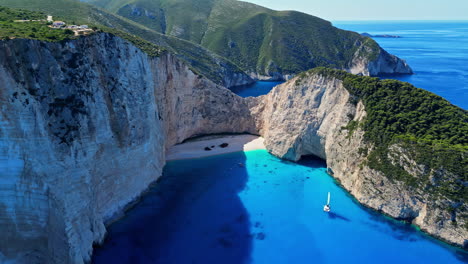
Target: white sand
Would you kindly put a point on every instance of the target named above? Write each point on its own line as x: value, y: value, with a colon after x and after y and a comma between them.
x: 196, y: 148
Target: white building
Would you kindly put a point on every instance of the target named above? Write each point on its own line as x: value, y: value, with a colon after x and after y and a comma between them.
x: 50, y: 19
x: 58, y: 24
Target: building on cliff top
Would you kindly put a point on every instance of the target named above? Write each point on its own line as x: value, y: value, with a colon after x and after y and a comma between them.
x: 58, y: 24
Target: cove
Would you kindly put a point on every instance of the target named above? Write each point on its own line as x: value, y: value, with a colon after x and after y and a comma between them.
x: 251, y: 207
x: 257, y: 89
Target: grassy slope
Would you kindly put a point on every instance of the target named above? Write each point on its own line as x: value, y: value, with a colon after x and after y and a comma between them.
x: 201, y: 60
x: 251, y: 36
x: 433, y: 131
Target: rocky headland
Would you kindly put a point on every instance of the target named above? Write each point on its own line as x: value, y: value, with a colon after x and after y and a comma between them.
x: 380, y: 36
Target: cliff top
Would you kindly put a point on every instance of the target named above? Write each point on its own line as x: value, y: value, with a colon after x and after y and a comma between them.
x: 27, y: 24
x: 199, y: 59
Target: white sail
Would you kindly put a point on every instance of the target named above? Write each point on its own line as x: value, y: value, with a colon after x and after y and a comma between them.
x: 328, y: 201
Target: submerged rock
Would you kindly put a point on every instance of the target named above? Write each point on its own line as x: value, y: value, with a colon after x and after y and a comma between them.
x: 260, y: 236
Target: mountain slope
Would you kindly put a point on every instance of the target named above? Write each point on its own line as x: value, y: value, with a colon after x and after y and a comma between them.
x: 261, y: 41
x: 202, y: 61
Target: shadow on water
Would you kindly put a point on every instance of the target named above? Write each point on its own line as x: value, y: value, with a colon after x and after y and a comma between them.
x: 312, y: 162
x: 192, y: 215
x: 333, y: 215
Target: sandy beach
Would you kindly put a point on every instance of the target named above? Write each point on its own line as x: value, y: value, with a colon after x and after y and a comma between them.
x: 214, y: 145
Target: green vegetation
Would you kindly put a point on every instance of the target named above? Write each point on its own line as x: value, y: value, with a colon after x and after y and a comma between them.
x: 146, y: 46
x: 199, y: 59
x: 40, y: 30
x: 351, y: 127
x: 255, y: 38
x: 10, y: 29
x: 431, y: 131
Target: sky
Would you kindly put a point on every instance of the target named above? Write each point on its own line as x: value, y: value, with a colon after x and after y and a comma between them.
x: 336, y: 10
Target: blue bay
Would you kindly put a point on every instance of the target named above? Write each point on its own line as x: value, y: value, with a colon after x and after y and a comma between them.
x: 251, y: 207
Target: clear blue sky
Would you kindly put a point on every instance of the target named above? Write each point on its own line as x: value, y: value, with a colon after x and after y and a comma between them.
x: 374, y: 9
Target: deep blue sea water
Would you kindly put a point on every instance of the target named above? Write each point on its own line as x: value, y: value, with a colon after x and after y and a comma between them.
x: 437, y: 51
x: 250, y: 207
x: 256, y: 89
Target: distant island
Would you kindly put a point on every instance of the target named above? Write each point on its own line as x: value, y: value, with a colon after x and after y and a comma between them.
x: 379, y: 36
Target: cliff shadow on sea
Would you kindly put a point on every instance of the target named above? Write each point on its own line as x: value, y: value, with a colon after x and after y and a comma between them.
x: 193, y: 214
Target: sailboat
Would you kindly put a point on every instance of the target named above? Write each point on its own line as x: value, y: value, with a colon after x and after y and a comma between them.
x: 326, y: 207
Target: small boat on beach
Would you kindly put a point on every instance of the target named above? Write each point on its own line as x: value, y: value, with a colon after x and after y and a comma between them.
x: 326, y: 208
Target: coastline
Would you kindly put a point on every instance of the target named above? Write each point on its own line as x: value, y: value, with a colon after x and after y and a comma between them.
x: 213, y: 145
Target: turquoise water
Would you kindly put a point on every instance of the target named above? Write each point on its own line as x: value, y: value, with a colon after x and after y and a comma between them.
x: 250, y: 207
x: 437, y: 52
x: 256, y: 89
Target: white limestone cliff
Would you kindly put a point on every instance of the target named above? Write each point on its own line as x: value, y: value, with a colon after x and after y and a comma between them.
x: 84, y: 129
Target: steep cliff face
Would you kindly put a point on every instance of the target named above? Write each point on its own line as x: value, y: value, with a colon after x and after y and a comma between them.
x: 192, y: 105
x: 84, y: 128
x: 380, y: 63
x: 312, y: 116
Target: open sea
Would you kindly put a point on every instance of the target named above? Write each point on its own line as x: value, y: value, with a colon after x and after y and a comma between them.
x: 437, y: 52
x: 251, y: 207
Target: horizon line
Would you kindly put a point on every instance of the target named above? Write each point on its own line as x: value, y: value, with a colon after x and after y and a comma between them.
x: 412, y: 20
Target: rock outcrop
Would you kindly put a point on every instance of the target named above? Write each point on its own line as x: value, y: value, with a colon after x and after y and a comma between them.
x: 310, y: 116
x: 382, y: 64
x: 84, y: 129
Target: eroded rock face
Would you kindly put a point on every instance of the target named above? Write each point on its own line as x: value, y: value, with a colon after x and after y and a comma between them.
x: 384, y: 64
x: 84, y: 129
x: 310, y: 117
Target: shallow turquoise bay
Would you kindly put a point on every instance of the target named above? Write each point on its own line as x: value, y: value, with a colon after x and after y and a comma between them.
x: 251, y: 207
